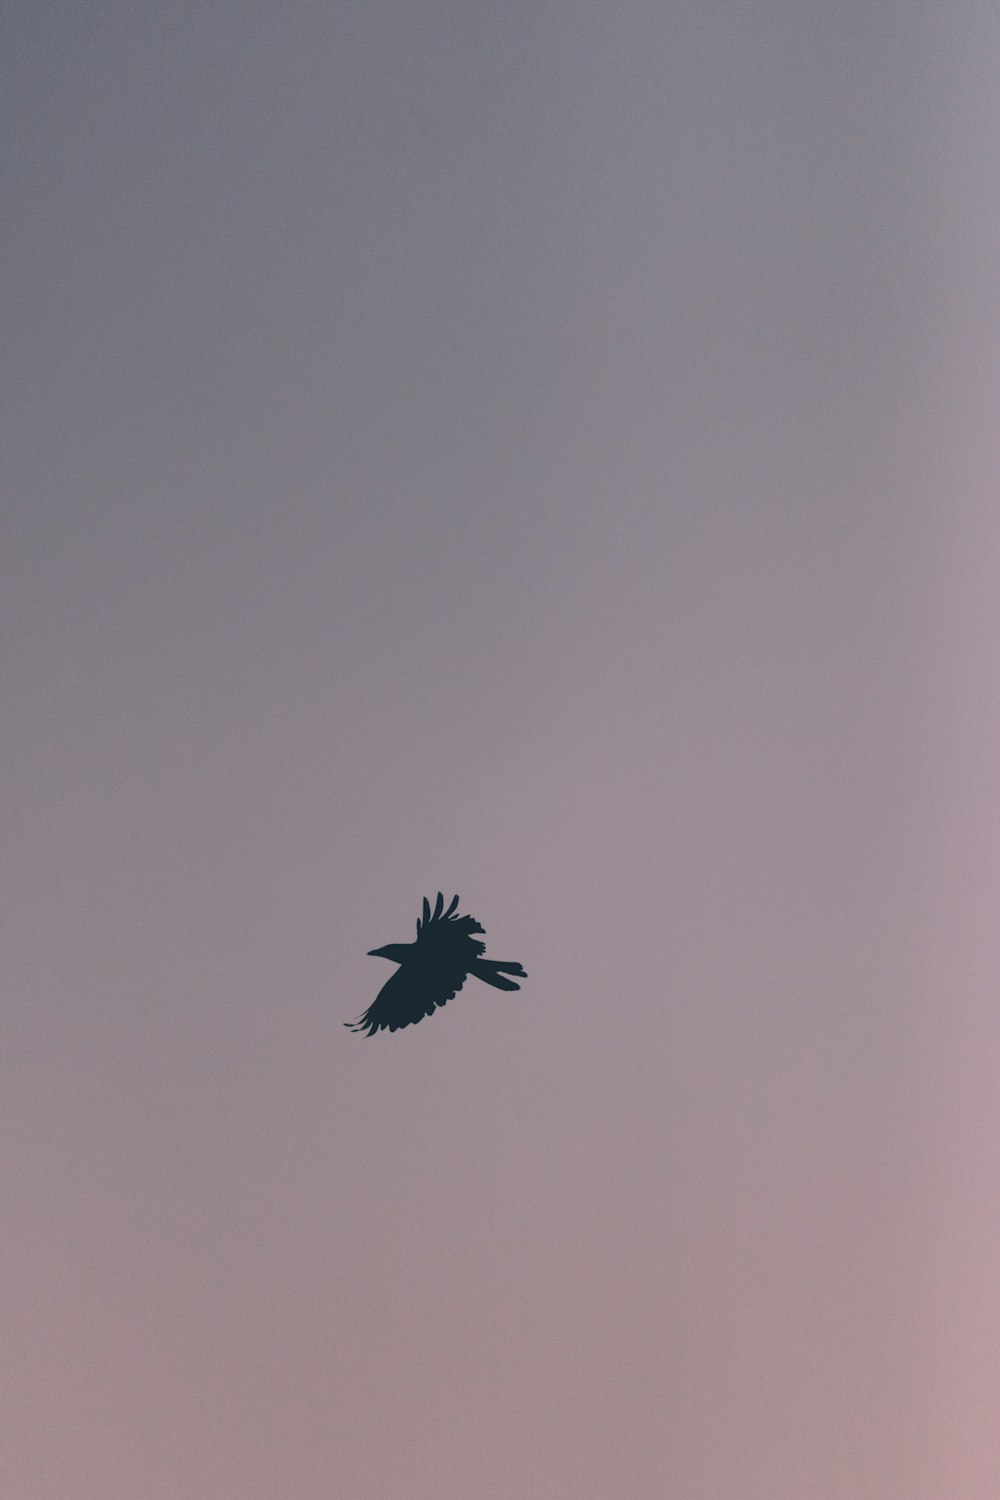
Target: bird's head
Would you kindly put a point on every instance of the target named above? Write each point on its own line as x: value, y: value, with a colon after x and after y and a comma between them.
x: 395, y: 952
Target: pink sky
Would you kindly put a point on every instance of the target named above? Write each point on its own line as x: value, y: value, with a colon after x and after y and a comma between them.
x: 543, y: 453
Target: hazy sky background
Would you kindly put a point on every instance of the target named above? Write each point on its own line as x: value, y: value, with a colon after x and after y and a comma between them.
x: 546, y: 452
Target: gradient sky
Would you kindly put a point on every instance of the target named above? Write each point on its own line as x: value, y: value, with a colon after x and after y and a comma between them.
x: 545, y: 452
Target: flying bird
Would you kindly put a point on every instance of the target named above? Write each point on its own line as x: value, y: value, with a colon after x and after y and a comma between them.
x: 432, y: 970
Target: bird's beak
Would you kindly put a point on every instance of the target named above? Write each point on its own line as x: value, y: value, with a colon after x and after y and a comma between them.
x: 375, y: 953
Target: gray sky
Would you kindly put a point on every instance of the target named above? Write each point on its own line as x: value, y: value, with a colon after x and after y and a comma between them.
x: 542, y: 452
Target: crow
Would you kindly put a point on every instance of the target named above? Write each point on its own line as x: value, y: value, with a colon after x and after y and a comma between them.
x: 432, y: 970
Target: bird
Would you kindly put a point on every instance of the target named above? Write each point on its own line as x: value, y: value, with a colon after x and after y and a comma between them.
x: 432, y: 970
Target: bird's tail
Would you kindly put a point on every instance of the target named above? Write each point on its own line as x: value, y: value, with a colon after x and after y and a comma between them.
x: 491, y: 970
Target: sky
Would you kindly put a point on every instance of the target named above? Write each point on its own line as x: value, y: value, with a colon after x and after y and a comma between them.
x: 543, y: 452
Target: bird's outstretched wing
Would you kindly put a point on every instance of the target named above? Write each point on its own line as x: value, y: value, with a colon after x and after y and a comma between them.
x: 446, y: 937
x: 439, y: 915
x: 414, y: 991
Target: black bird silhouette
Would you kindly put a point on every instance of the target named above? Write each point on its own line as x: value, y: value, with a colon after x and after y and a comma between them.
x: 432, y: 970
